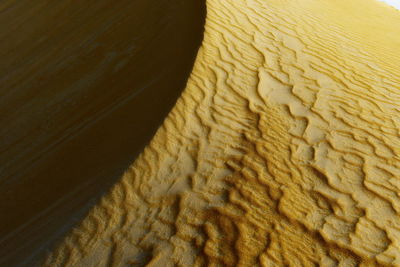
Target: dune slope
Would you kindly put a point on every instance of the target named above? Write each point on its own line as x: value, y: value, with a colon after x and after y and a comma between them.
x: 84, y: 85
x: 282, y: 151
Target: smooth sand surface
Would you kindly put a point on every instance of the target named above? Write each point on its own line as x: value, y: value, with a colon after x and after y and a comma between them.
x: 84, y: 85
x: 282, y: 151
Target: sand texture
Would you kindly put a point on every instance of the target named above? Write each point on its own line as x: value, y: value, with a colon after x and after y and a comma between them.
x: 283, y: 149
x: 84, y: 86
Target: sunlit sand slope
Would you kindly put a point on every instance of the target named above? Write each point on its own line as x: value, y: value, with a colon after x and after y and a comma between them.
x: 282, y: 151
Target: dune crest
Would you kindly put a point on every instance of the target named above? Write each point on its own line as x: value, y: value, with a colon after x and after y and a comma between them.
x: 283, y: 150
x: 78, y: 81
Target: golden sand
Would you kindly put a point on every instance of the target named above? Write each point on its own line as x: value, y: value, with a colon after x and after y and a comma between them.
x: 78, y: 87
x: 282, y: 151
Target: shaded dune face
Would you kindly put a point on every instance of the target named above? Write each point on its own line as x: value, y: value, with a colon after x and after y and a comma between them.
x: 83, y: 87
x: 282, y: 151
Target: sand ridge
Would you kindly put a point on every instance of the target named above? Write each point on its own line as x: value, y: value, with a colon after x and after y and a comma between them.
x: 283, y: 150
x: 78, y: 81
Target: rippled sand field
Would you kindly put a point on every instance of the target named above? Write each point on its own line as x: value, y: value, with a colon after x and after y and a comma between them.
x: 283, y: 150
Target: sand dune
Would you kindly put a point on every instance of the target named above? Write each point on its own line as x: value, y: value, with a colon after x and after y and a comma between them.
x: 84, y: 85
x: 283, y: 149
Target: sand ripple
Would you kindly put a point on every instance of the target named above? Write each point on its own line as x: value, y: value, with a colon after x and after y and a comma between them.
x: 282, y: 151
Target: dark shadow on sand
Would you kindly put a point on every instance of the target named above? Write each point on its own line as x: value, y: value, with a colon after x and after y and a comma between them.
x: 83, y: 88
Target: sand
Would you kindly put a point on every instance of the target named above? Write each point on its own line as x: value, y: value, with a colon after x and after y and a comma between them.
x: 84, y: 85
x: 283, y: 149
